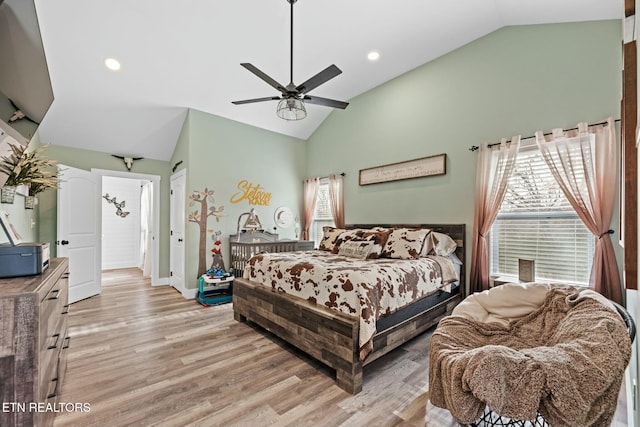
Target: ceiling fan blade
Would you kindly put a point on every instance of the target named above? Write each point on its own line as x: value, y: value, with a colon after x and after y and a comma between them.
x: 325, y: 102
x: 249, y: 101
x: 264, y: 77
x: 323, y: 76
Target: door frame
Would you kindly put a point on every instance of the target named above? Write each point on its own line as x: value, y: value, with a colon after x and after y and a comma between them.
x: 155, y: 179
x: 179, y: 204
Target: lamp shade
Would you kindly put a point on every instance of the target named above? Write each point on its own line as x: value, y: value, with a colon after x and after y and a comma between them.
x: 291, y: 109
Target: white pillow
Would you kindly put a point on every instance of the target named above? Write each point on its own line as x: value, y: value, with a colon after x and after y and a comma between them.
x: 356, y: 249
x: 454, y: 258
x: 443, y: 244
x: 428, y: 248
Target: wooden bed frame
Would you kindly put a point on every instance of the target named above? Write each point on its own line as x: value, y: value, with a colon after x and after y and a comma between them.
x: 331, y: 337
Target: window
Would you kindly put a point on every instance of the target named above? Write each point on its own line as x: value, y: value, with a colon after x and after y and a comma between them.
x: 537, y: 222
x: 322, y: 215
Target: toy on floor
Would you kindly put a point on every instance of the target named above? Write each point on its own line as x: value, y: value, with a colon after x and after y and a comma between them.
x: 217, y: 273
x: 215, y: 287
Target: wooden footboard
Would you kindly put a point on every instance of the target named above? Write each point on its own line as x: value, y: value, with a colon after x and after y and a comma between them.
x: 327, y: 335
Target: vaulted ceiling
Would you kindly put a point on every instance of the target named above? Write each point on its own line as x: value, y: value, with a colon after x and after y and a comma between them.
x: 177, y: 55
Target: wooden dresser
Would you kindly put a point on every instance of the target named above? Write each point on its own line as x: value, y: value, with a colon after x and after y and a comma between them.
x: 33, y: 345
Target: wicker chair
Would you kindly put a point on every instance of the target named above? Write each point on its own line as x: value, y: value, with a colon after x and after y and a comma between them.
x: 490, y: 418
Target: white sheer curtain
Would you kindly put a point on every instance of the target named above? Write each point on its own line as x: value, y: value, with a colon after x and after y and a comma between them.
x: 311, y: 188
x: 336, y: 199
x: 584, y: 163
x: 146, y: 220
x: 495, y: 164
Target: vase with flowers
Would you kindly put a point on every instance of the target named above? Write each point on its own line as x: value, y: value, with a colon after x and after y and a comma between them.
x: 28, y: 168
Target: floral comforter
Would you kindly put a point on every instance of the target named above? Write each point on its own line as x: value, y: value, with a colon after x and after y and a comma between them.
x: 368, y: 289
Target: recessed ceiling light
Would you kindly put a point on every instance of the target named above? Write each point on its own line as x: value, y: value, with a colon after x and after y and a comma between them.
x: 112, y: 64
x: 373, y: 56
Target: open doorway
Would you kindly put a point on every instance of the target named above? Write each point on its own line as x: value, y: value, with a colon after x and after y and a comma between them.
x: 130, y: 222
x: 125, y: 223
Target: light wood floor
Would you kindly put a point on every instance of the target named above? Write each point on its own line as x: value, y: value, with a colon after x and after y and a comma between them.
x: 143, y: 355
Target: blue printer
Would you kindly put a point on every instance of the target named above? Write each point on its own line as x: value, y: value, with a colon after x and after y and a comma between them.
x: 23, y: 259
x: 20, y: 259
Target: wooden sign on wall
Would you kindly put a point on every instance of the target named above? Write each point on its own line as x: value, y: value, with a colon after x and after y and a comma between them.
x: 417, y: 168
x: 254, y: 194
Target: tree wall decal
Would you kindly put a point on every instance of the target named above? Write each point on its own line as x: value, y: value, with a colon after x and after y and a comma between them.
x: 204, y: 201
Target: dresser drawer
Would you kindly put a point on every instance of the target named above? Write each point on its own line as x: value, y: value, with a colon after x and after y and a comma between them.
x: 53, y: 309
x: 53, y: 329
x: 50, y: 358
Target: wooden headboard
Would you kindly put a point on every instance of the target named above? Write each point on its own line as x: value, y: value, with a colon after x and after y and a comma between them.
x: 456, y: 231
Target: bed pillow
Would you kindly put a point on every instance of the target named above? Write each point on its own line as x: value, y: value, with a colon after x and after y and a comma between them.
x: 358, y: 249
x: 378, y: 238
x: 329, y: 237
x: 443, y: 244
x: 454, y: 259
x: 381, y: 229
x: 345, y: 236
x: 429, y: 246
x: 405, y: 243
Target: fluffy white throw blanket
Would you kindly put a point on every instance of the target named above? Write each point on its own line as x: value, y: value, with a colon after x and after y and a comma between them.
x: 565, y: 357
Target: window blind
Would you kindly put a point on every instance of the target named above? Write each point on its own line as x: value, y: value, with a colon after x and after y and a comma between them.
x: 537, y: 222
x: 322, y: 215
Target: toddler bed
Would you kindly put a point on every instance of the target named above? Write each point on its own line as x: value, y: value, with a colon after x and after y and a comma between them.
x: 347, y: 312
x: 551, y: 354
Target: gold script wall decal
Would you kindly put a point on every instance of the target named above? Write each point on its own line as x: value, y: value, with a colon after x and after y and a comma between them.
x: 253, y: 193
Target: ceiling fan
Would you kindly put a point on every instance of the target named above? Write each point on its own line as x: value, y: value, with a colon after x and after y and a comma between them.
x: 291, y: 105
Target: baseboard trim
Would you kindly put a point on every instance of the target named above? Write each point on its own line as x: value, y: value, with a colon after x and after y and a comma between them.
x: 189, y: 293
x: 161, y: 281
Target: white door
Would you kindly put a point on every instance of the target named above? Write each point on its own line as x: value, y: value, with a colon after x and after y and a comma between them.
x: 79, y: 227
x: 177, y: 224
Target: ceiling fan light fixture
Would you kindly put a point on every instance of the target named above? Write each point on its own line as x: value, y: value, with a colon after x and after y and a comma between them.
x: 291, y: 109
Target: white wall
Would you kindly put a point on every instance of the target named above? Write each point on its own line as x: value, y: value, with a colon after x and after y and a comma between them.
x: 120, y: 235
x: 633, y: 306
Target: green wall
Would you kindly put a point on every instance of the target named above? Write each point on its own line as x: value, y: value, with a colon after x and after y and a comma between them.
x: 181, y: 151
x: 24, y: 221
x: 513, y: 81
x: 87, y: 160
x: 219, y: 153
